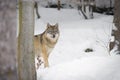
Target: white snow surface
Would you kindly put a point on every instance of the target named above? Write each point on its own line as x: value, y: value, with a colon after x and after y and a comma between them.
x: 68, y: 60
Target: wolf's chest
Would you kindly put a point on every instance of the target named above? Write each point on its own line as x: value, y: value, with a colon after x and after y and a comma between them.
x: 49, y: 50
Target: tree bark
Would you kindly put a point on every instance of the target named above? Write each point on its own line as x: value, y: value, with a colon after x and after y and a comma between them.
x: 26, y: 61
x: 116, y: 33
x: 8, y: 70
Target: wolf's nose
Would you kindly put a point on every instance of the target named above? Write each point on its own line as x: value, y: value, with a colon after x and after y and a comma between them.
x: 53, y: 36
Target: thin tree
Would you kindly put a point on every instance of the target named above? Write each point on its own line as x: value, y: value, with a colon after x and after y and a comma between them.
x: 110, y: 4
x: 26, y: 62
x: 116, y: 32
x: 59, y: 4
x: 36, y: 8
x: 8, y: 70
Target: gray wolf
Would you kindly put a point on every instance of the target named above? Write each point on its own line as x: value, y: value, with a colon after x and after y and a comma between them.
x: 44, y: 43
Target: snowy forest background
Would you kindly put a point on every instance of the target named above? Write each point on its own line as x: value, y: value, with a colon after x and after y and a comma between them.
x: 83, y: 51
x: 88, y: 47
x: 74, y: 3
x: 99, y: 3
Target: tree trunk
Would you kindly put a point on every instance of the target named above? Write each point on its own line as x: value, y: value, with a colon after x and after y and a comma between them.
x: 58, y: 4
x: 8, y: 70
x: 116, y: 33
x: 26, y: 61
x: 110, y: 3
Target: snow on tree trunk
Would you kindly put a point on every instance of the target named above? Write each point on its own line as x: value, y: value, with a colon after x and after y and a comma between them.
x: 116, y: 32
x: 8, y: 70
x: 26, y: 61
x: 87, y: 11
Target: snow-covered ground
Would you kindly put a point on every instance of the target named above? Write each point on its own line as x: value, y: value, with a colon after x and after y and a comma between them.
x: 68, y: 60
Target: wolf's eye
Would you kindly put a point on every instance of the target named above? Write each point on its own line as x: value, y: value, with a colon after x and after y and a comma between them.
x: 55, y: 31
x: 49, y: 32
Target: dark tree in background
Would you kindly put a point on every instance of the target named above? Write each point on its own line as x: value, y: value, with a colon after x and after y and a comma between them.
x: 36, y: 8
x: 116, y: 32
x: 8, y: 16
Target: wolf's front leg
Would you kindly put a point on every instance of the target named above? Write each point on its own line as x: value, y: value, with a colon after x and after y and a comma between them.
x: 46, y: 63
x: 45, y: 57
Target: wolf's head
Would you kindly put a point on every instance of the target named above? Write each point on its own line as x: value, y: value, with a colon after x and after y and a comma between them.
x: 52, y: 31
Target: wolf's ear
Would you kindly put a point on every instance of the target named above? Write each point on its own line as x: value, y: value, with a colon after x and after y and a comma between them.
x: 56, y: 25
x: 48, y: 25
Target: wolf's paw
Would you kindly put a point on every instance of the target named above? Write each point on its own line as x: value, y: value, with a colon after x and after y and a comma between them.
x: 39, y: 62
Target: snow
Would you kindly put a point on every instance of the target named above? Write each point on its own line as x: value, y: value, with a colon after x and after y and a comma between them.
x: 68, y: 60
x: 92, y: 68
